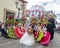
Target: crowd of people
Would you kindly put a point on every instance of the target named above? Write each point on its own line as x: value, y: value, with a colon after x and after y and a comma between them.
x: 33, y: 30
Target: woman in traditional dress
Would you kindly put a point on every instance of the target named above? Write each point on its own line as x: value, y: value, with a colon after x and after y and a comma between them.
x: 3, y: 31
x: 19, y: 30
x: 40, y: 33
x: 28, y: 38
x: 46, y: 38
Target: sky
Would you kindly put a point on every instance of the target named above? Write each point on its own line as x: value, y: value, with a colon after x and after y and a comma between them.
x: 48, y: 4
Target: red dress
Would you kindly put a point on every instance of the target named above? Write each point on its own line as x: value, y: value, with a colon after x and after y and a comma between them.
x: 35, y: 34
x: 46, y: 38
x: 19, y: 32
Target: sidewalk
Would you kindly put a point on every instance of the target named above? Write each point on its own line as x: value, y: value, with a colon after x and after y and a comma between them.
x: 14, y: 43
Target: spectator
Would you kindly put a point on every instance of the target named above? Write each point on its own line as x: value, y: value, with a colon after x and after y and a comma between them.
x: 3, y: 33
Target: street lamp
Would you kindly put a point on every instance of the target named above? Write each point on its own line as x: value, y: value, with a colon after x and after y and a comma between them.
x: 19, y: 8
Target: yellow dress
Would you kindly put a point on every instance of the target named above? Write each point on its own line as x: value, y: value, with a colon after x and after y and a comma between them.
x: 40, y: 36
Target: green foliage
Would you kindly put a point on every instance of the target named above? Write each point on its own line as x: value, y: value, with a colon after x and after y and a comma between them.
x: 44, y: 21
x: 34, y: 20
x: 20, y: 21
x: 9, y: 21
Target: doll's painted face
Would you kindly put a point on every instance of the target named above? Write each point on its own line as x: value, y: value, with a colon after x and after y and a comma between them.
x: 22, y: 27
x: 38, y: 24
x: 29, y: 31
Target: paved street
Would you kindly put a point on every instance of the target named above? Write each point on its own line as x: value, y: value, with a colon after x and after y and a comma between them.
x: 14, y: 43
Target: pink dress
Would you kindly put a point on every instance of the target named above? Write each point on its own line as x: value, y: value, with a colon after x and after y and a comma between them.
x: 46, y: 38
x: 19, y: 32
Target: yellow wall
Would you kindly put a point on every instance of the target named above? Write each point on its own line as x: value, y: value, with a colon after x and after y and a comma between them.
x: 8, y: 4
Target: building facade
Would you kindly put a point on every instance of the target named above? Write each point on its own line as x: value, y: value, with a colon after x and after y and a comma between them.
x: 10, y: 7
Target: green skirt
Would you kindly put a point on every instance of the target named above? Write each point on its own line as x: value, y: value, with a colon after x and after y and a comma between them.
x: 10, y: 32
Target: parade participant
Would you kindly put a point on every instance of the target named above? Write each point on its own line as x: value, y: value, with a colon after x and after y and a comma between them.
x: 46, y: 37
x: 10, y: 32
x: 35, y: 32
x: 19, y: 30
x: 40, y: 33
x: 51, y: 26
x: 4, y: 33
x: 28, y: 38
x: 44, y: 28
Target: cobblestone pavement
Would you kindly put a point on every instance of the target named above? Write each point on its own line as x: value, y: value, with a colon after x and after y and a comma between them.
x: 14, y: 43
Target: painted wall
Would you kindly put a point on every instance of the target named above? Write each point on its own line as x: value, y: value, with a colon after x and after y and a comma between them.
x: 8, y: 4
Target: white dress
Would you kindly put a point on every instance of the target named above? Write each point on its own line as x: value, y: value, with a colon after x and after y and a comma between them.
x: 27, y: 39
